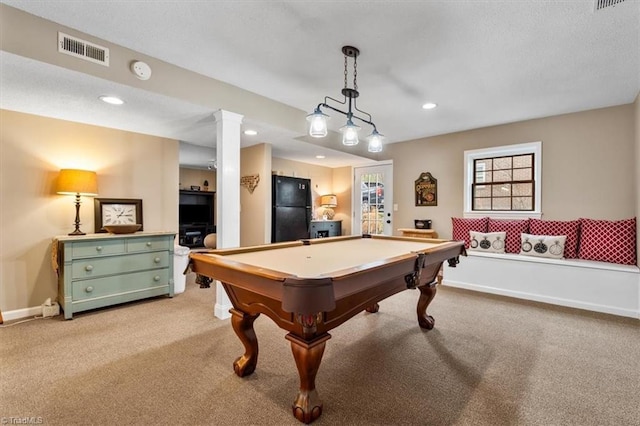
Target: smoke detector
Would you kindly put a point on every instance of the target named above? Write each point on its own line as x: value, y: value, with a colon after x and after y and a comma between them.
x: 141, y: 70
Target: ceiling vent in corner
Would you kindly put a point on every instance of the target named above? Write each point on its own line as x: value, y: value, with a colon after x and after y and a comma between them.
x: 83, y: 49
x: 601, y: 4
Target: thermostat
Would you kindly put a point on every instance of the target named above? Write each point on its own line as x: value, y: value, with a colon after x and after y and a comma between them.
x: 141, y: 70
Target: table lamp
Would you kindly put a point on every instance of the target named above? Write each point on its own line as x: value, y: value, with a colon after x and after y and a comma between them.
x: 328, y: 202
x: 77, y: 182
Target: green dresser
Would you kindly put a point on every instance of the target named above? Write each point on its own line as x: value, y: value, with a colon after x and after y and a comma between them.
x: 101, y: 270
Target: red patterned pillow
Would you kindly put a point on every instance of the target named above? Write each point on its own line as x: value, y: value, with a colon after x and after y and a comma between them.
x: 611, y: 241
x: 570, y: 228
x: 462, y: 227
x: 513, y: 228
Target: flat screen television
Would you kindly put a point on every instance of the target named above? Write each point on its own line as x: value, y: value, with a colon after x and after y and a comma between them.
x: 195, y: 214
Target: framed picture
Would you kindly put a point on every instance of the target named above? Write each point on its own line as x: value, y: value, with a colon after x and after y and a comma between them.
x: 426, y: 190
x: 117, y: 211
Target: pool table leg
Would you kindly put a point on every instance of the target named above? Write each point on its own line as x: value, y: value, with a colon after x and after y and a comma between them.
x: 427, y: 293
x: 243, y: 326
x: 308, y: 354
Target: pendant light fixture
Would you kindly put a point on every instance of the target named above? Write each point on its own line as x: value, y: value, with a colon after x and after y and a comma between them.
x: 350, y: 131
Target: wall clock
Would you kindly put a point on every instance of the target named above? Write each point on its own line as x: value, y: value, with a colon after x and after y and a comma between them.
x: 117, y: 211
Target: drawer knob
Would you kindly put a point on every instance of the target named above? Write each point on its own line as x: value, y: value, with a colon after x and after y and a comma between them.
x: 149, y: 244
x: 88, y: 268
x: 88, y: 289
x: 156, y: 278
x: 99, y: 248
x: 157, y: 260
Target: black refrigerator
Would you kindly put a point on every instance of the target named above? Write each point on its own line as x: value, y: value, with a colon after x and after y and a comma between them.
x: 291, y: 211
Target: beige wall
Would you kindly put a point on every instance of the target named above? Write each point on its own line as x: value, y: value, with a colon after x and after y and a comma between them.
x: 32, y: 151
x: 196, y: 177
x: 255, y: 208
x: 588, y: 165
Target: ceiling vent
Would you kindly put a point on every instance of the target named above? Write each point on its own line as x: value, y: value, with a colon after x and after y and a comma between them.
x: 83, y: 49
x: 601, y: 4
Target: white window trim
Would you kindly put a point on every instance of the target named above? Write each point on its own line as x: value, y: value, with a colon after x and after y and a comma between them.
x: 517, y: 149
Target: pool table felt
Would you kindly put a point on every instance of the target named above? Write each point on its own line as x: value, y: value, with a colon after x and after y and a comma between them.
x: 318, y: 260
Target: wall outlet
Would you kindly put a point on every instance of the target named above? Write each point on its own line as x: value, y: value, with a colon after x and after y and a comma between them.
x: 50, y: 311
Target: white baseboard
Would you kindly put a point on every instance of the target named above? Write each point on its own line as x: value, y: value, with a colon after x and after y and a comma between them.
x: 222, y: 311
x: 22, y: 313
x: 545, y: 299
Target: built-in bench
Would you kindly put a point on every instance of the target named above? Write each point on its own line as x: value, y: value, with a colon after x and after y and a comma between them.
x: 596, y: 286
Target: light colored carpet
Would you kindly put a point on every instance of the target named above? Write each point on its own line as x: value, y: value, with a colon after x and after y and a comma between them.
x: 489, y: 361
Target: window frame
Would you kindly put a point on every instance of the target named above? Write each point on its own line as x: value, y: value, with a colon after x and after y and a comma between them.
x: 470, y: 156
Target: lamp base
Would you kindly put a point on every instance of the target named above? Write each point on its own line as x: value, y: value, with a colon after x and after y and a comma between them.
x: 328, y: 213
x: 77, y: 231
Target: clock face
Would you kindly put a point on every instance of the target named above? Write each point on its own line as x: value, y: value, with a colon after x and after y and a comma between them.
x: 118, y: 214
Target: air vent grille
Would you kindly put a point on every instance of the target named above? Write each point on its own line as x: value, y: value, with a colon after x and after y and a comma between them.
x: 601, y: 4
x: 83, y: 49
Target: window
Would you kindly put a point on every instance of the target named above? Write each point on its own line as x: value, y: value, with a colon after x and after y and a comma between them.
x: 503, y: 181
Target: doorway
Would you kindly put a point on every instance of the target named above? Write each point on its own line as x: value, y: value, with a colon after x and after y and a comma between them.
x: 373, y: 200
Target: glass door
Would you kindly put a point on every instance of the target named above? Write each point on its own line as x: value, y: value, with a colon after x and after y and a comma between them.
x: 373, y: 192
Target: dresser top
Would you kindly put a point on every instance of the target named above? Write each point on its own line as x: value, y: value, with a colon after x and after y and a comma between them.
x: 106, y: 235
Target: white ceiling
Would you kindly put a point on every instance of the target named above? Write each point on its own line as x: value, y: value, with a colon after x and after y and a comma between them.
x: 484, y: 63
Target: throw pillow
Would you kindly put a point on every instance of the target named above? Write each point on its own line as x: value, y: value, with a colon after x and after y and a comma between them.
x: 611, y: 241
x: 543, y: 245
x: 513, y: 229
x: 488, y: 242
x: 462, y: 227
x: 570, y: 228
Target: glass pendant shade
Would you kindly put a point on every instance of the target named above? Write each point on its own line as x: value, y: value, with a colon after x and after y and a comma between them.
x: 375, y: 140
x: 317, y: 124
x: 350, y: 133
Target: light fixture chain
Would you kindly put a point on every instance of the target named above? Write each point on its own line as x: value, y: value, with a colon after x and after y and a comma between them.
x: 345, y: 71
x: 355, y: 72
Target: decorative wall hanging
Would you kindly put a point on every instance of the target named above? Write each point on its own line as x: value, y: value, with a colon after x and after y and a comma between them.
x: 250, y: 182
x: 426, y: 187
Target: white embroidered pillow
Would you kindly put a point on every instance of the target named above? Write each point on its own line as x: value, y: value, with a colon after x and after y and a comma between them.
x: 488, y: 242
x: 543, y: 245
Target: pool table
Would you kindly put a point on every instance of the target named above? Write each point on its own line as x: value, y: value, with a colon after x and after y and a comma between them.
x: 309, y: 287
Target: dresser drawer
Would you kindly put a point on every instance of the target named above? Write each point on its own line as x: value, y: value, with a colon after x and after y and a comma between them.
x: 148, y: 244
x: 97, y: 248
x: 97, y: 267
x: 120, y: 284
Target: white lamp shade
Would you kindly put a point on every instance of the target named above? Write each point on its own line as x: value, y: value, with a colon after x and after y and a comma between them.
x: 375, y: 140
x: 317, y: 124
x: 350, y: 134
x: 329, y: 201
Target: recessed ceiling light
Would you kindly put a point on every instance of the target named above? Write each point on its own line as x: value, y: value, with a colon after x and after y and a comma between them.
x: 429, y: 105
x: 111, y: 100
x: 320, y: 157
x: 250, y: 132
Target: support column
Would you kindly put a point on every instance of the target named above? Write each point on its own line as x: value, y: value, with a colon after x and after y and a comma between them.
x: 228, y: 127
